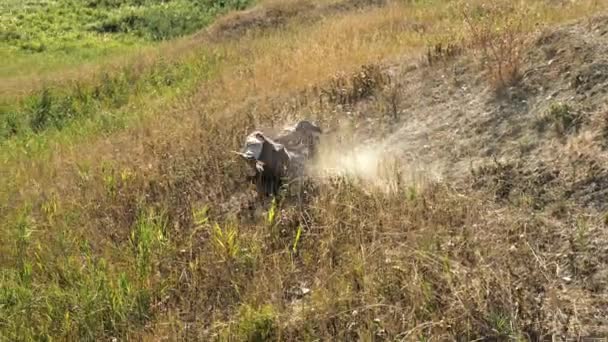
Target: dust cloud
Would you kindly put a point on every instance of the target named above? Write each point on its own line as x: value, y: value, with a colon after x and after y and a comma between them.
x: 377, y: 164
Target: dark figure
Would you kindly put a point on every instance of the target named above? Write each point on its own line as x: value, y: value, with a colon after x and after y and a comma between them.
x: 274, y: 161
x: 269, y: 162
x: 301, y: 138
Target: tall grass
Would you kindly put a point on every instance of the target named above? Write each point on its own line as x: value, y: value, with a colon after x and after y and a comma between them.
x: 69, y: 293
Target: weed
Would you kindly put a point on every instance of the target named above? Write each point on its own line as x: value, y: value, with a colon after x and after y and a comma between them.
x: 501, y: 325
x: 561, y: 117
x: 500, y: 175
x: 345, y: 89
x: 604, y: 131
x: 500, y: 38
x: 201, y: 216
x: 226, y: 242
x: 41, y: 111
x: 272, y: 213
x: 23, y: 231
x: 391, y: 98
x: 294, y: 248
x: 581, y: 234
x: 11, y: 124
x: 50, y: 208
x: 147, y: 237
x: 110, y: 181
x: 442, y: 52
x: 411, y: 193
x: 256, y: 325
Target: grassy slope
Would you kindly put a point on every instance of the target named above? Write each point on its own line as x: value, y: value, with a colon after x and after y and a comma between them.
x: 42, y: 36
x: 104, y: 231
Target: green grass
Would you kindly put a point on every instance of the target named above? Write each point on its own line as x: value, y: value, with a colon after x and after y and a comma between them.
x: 55, y: 108
x: 60, y: 288
x: 55, y: 284
x: 39, y: 36
x: 25, y: 63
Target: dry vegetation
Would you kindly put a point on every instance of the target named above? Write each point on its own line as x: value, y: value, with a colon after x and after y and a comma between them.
x: 146, y: 230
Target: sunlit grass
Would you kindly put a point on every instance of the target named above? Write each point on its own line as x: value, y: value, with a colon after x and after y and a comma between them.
x: 96, y: 209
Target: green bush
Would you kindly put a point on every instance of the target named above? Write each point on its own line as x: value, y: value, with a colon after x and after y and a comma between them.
x: 11, y: 123
x: 33, y: 46
x: 166, y: 20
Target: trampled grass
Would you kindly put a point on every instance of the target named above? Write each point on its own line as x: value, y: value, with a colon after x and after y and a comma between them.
x: 118, y: 220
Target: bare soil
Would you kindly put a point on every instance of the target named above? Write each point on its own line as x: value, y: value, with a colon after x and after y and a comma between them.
x: 276, y: 15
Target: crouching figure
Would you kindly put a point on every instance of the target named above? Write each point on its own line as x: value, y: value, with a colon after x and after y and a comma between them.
x: 274, y: 161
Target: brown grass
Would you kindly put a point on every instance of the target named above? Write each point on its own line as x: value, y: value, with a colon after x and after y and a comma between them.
x: 500, y: 40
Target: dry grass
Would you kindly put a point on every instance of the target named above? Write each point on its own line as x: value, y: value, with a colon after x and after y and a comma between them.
x: 500, y: 39
x: 422, y: 262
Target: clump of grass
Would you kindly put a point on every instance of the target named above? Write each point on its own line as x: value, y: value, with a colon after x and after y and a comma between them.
x: 391, y: 96
x: 561, y: 117
x: 148, y: 237
x: 604, y: 130
x: 442, y: 51
x: 502, y: 326
x: 348, y: 89
x: 497, y: 30
x: 500, y: 176
x: 257, y: 325
x: 226, y: 242
x: 23, y: 232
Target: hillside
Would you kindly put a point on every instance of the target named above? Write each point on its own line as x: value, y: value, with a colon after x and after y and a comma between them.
x: 460, y: 191
x: 42, y: 35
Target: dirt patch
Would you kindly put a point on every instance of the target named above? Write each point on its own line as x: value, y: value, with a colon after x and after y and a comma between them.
x: 278, y: 14
x: 511, y: 182
x: 258, y: 18
x: 349, y: 5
